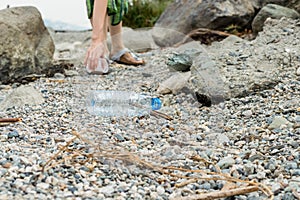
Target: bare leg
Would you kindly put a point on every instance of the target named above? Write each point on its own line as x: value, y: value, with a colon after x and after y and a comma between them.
x: 116, y: 38
x: 117, y: 45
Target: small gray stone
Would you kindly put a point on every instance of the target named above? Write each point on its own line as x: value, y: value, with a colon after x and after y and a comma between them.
x: 276, y: 187
x: 43, y: 185
x: 180, y: 62
x: 160, y: 190
x: 249, y: 168
x: 13, y: 134
x: 298, y: 71
x: 278, y: 121
x: 59, y: 76
x: 247, y: 113
x: 206, y: 186
x: 295, y: 172
x: 154, y: 195
x: 261, y: 175
x: 291, y: 165
x: 226, y: 162
x: 107, y: 190
x: 288, y: 196
x: 256, y: 157
x: 119, y: 137
x: 71, y: 73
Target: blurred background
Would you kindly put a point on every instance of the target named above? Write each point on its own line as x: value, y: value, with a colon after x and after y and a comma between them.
x: 59, y: 14
x: 71, y: 15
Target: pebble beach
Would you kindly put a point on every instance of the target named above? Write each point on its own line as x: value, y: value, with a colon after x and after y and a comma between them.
x: 59, y: 151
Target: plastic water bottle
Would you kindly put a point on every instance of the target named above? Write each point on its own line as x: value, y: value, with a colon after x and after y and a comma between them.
x: 109, y: 103
x: 102, y: 67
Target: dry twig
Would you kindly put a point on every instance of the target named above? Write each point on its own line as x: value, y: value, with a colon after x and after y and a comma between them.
x: 249, y: 186
x: 220, y: 194
x: 10, y: 120
x: 61, y: 150
x: 160, y: 114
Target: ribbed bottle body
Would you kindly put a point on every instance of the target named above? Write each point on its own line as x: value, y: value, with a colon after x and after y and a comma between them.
x: 109, y: 103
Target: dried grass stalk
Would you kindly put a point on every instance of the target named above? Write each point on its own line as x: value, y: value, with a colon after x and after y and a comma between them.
x: 220, y: 194
x: 231, y: 190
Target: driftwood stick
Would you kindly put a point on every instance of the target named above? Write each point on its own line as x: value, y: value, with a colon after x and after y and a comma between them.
x: 203, y: 33
x: 220, y: 194
x: 159, y: 114
x: 10, y: 120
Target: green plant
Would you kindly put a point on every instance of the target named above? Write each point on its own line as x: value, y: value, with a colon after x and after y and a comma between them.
x: 144, y: 13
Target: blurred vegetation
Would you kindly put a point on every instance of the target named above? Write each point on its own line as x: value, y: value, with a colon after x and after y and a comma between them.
x: 144, y: 13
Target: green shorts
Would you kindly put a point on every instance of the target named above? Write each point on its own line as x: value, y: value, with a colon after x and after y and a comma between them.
x: 116, y: 9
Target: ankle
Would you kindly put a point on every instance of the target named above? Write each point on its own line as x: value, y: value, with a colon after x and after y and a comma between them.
x: 116, y: 49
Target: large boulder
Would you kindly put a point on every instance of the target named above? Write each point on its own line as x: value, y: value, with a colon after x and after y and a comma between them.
x: 138, y: 40
x: 26, y: 45
x: 237, y: 67
x: 181, y: 17
x: 294, y: 4
x: 273, y: 11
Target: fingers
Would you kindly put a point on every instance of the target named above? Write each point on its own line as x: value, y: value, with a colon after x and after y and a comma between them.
x: 94, y: 62
x: 93, y: 54
x: 90, y: 60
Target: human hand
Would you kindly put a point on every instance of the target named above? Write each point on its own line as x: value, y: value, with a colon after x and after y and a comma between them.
x: 96, y: 50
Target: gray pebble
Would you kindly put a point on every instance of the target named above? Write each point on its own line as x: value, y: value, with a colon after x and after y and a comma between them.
x: 59, y: 76
x: 13, y: 134
x: 298, y: 71
x: 226, y: 162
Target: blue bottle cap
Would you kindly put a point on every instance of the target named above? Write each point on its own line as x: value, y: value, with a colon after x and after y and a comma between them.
x: 155, y: 103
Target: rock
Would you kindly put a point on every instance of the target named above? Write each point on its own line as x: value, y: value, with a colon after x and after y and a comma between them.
x: 180, y: 62
x: 226, y: 162
x: 23, y: 95
x: 13, y: 134
x: 291, y: 165
x: 107, y: 190
x: 42, y: 185
x: 298, y: 71
x: 276, y: 187
x: 278, y: 121
x: 273, y: 11
x: 208, y: 81
x: 294, y: 4
x: 181, y: 18
x: 247, y: 113
x: 160, y: 190
x: 71, y: 73
x: 174, y: 84
x: 236, y: 68
x: 30, y: 50
x: 59, y: 76
x: 295, y: 172
x: 138, y: 40
x: 217, y: 138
